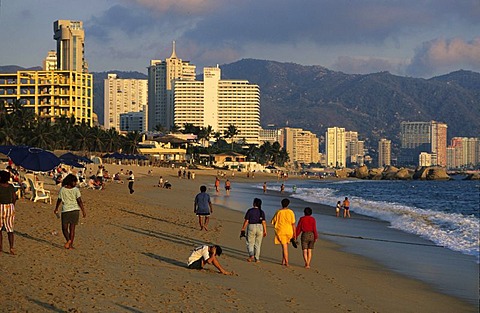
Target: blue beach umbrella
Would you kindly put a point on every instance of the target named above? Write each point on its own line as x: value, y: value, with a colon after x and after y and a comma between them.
x: 34, y: 159
x: 71, y: 162
x: 74, y: 157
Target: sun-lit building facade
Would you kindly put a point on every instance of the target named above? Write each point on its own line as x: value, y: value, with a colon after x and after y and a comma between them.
x: 335, y: 147
x: 51, y: 94
x: 384, y: 152
x: 70, y: 37
x: 417, y: 137
x: 218, y: 103
x: 123, y: 96
x: 161, y: 75
x: 301, y: 145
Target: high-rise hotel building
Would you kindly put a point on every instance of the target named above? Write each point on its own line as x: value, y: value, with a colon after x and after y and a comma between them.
x: 161, y: 75
x: 66, y: 90
x: 218, y: 103
x: 417, y: 137
x: 335, y: 147
x: 464, y: 152
x: 384, y: 152
x: 301, y: 145
x: 70, y: 37
x: 123, y: 96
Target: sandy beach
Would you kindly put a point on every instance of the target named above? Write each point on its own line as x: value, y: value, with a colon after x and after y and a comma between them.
x: 131, y: 251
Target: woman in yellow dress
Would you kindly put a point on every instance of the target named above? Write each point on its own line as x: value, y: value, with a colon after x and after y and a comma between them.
x: 284, y: 223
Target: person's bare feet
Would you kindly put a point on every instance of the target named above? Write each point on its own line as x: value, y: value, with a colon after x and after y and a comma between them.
x: 12, y: 251
x: 68, y: 244
x: 205, y: 227
x: 307, y: 266
x: 251, y: 259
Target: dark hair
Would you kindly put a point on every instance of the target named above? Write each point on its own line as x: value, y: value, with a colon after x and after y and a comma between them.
x: 218, y: 250
x: 203, y: 188
x: 307, y: 211
x: 69, y: 180
x: 4, y: 177
x: 257, y: 202
x: 285, y: 202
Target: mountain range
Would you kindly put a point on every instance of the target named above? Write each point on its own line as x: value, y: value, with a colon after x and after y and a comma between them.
x: 315, y: 98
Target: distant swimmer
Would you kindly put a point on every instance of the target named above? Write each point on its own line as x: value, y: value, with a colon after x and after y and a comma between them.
x: 265, y: 187
x: 338, y: 208
x: 346, y: 207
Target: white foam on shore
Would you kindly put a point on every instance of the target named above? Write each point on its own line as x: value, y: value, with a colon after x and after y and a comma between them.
x: 450, y: 230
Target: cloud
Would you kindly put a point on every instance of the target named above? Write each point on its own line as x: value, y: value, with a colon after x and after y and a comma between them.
x: 444, y: 55
x: 182, y: 7
x: 366, y: 65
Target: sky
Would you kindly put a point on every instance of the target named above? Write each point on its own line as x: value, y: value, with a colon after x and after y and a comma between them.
x: 417, y: 38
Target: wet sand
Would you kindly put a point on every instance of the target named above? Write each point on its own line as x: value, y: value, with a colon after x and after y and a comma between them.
x: 130, y: 256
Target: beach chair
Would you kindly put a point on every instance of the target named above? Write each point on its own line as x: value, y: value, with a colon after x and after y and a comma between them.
x: 38, y: 183
x: 38, y: 193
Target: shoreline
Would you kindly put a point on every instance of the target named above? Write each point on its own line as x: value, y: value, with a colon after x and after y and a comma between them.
x: 131, y: 254
x: 408, y: 254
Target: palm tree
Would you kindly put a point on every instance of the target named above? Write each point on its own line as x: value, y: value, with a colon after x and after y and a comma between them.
x: 131, y: 143
x: 41, y: 135
x: 189, y: 128
x: 82, y: 137
x: 97, y: 137
x: 112, y: 140
x: 204, y: 134
x: 231, y: 132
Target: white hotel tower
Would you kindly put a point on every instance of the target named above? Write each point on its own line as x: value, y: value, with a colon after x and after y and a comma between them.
x: 218, y: 103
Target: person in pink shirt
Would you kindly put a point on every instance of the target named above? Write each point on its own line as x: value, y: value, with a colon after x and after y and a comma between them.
x: 307, y: 225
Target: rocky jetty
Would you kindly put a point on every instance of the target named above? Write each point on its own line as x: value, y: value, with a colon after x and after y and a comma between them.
x: 431, y: 173
x: 394, y: 173
x: 473, y: 176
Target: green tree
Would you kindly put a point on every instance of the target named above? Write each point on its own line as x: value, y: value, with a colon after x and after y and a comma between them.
x: 230, y: 133
x: 204, y: 134
x: 130, y: 145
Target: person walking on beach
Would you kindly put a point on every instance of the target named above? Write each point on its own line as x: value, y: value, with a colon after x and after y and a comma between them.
x: 256, y: 230
x: 285, y: 230
x: 282, y: 188
x: 338, y: 208
x: 265, y: 187
x: 346, y: 207
x: 308, y: 227
x: 228, y: 186
x: 7, y: 209
x: 131, y: 180
x: 203, y: 207
x: 217, y: 184
x: 70, y: 196
x: 206, y: 255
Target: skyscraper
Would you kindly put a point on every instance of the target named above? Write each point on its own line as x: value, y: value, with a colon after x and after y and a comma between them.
x: 467, y: 152
x: 218, y: 103
x: 123, y: 96
x: 335, y: 147
x: 70, y: 37
x: 161, y: 75
x: 301, y: 145
x: 417, y: 137
x: 384, y: 152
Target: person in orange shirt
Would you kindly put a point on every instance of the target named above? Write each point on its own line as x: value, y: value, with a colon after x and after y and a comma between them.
x: 285, y: 230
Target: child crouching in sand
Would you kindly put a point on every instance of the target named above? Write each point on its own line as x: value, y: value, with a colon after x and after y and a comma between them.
x: 70, y: 196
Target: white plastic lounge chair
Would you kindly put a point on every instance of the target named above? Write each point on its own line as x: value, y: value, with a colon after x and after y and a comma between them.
x: 38, y: 193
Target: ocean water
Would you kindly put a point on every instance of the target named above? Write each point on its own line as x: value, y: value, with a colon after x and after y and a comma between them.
x: 444, y: 212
